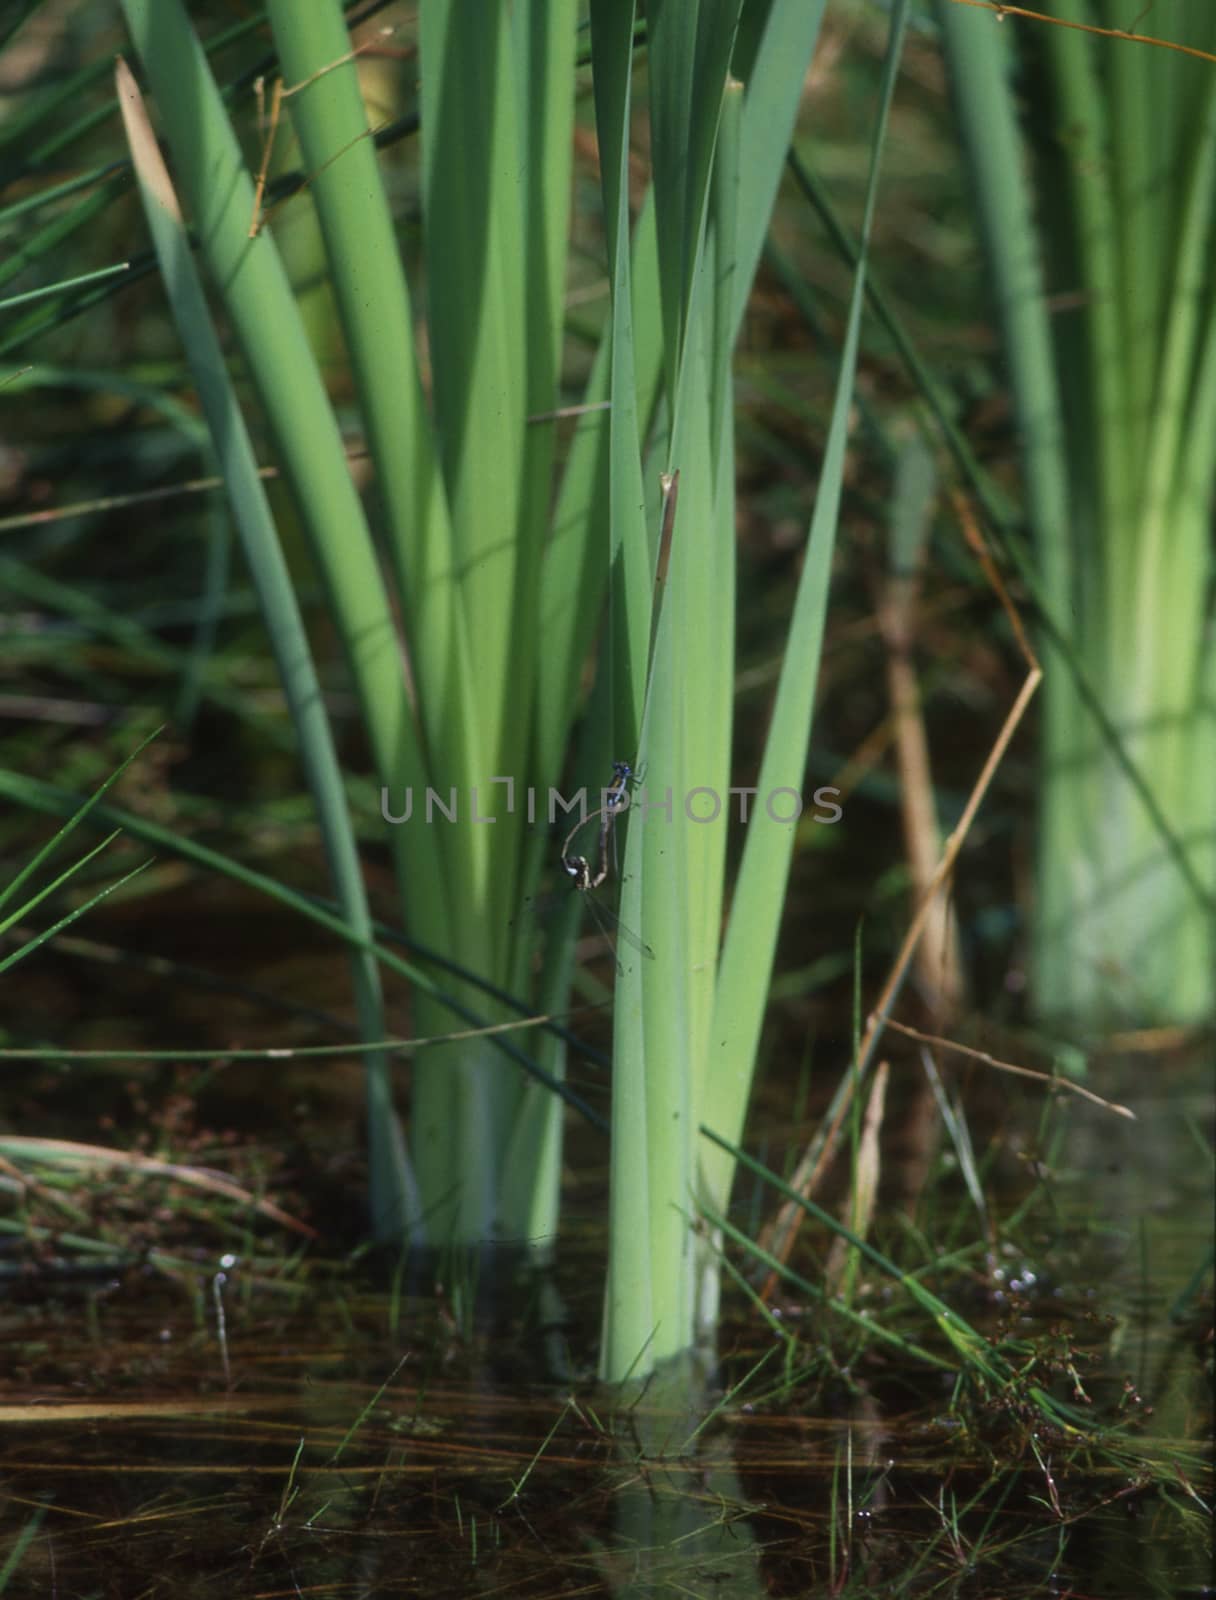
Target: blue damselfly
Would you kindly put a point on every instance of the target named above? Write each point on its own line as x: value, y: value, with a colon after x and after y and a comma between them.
x: 586, y: 876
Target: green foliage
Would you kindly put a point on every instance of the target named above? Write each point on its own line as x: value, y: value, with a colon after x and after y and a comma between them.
x: 479, y: 572
x: 1116, y: 398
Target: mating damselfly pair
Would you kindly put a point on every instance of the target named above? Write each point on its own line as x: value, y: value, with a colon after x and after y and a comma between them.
x: 587, y: 875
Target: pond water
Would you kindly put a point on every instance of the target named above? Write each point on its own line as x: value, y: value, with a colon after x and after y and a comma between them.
x: 241, y: 1417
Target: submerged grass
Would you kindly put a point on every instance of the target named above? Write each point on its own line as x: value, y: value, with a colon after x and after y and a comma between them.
x: 349, y: 1433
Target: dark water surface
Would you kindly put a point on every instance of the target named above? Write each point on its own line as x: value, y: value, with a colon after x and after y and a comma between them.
x: 227, y: 1418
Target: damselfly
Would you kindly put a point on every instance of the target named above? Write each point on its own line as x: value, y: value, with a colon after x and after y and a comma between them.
x: 615, y: 799
x: 578, y: 867
x: 586, y: 877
